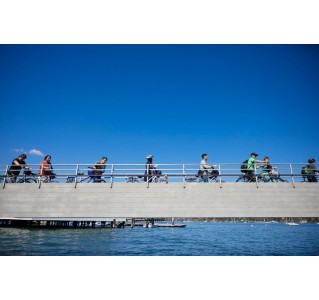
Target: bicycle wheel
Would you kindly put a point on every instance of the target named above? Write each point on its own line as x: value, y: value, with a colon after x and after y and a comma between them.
x: 30, y: 180
x: 241, y: 179
x: 87, y: 180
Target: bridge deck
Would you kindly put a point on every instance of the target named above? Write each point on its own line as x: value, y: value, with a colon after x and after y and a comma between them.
x: 62, y: 201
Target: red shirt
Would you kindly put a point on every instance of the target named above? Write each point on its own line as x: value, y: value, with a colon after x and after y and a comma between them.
x: 42, y: 170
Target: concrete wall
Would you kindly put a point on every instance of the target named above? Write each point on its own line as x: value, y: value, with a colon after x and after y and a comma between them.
x: 125, y: 200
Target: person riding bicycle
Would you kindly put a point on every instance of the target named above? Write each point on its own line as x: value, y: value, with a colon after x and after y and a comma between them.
x: 266, y: 168
x: 16, y: 165
x: 46, y: 170
x: 251, y: 165
x: 150, y: 169
x: 204, y: 167
x: 98, y: 169
x: 311, y: 170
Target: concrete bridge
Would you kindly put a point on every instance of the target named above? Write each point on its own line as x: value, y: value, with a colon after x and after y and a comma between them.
x: 101, y: 201
x: 177, y: 192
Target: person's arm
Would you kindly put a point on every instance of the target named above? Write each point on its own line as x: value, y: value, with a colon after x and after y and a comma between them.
x: 22, y: 165
x: 16, y: 162
x: 95, y: 165
x: 205, y: 166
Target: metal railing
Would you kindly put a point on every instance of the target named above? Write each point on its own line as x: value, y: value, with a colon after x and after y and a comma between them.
x: 164, y: 173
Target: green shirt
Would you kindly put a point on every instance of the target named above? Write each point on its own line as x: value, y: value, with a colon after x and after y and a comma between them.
x: 251, y: 164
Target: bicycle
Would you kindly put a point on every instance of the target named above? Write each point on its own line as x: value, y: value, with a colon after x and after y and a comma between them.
x: 47, y: 179
x: 27, y: 177
x: 153, y: 177
x: 273, y: 176
x: 247, y: 177
x: 213, y: 176
x: 91, y: 177
x: 132, y: 179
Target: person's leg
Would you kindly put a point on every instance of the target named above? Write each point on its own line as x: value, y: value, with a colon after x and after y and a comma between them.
x: 251, y: 176
x: 12, y: 177
x: 310, y: 178
x: 205, y: 178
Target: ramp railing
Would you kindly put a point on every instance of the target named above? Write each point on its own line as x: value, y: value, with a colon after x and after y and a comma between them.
x: 160, y: 173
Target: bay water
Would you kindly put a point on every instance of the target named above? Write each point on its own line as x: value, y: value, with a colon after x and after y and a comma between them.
x: 196, y: 239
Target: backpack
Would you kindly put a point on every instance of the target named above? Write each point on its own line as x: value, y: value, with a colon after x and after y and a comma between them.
x: 274, y: 173
x: 243, y: 167
x: 305, y: 170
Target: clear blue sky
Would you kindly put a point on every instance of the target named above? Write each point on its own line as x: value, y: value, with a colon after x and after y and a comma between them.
x: 79, y: 102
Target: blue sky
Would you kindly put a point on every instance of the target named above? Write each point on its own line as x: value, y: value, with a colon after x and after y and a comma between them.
x: 79, y: 102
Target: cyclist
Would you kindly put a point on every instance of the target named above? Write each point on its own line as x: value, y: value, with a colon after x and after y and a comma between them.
x: 46, y: 170
x: 204, y: 167
x: 312, y: 170
x: 251, y: 165
x: 16, y: 165
x: 98, y: 169
x: 150, y: 168
x: 265, y: 169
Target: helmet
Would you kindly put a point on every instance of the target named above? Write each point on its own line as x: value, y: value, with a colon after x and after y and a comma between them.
x: 311, y: 160
x: 149, y: 156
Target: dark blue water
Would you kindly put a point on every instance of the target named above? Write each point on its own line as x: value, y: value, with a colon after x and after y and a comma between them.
x: 196, y: 239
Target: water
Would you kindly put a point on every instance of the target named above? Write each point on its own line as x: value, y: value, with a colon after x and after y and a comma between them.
x: 198, y: 238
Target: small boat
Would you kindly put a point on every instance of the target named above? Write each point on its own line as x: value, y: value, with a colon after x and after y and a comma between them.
x: 292, y: 224
x: 171, y: 225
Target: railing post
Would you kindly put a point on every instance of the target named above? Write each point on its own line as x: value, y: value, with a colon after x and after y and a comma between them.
x: 220, y: 176
x: 112, y: 171
x: 147, y: 177
x: 76, y: 175
x: 256, y: 176
x: 184, y: 176
x: 292, y: 176
x: 5, y: 177
x: 40, y: 177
